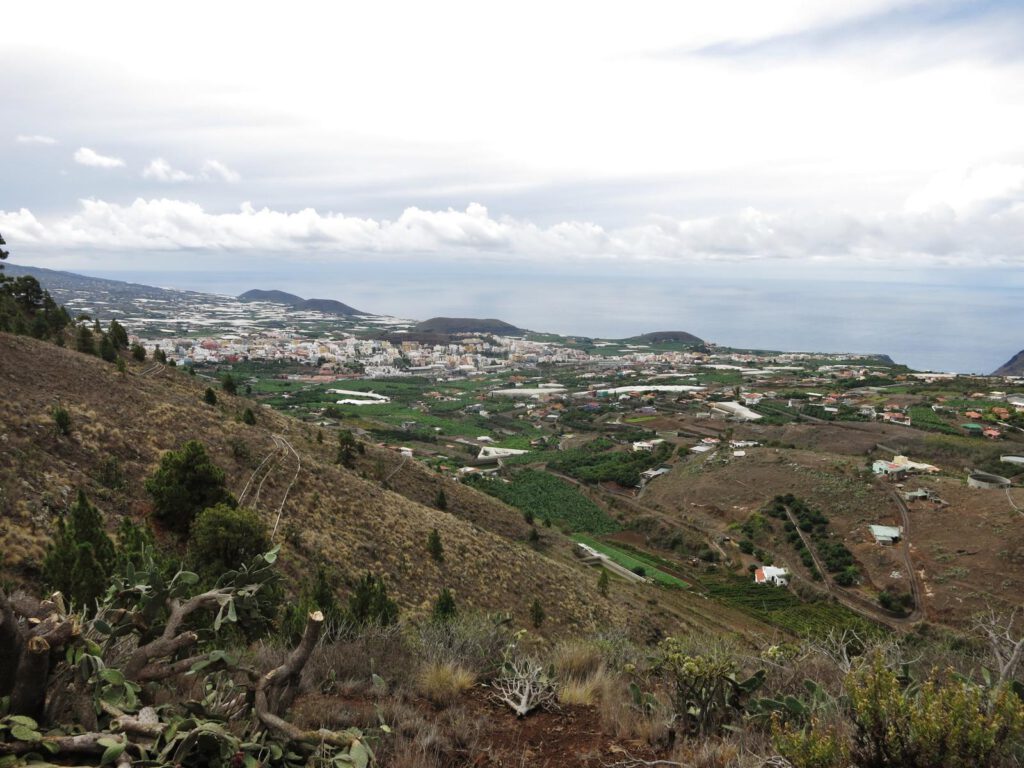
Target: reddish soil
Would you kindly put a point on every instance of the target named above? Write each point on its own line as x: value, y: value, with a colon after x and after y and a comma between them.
x: 474, y: 731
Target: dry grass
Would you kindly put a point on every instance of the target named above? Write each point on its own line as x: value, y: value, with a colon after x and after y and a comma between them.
x: 443, y: 682
x: 584, y: 691
x: 576, y: 660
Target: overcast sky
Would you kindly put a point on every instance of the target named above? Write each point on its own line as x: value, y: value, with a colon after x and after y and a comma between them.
x: 227, y: 133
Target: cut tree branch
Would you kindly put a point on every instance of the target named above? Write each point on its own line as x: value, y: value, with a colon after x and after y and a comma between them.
x: 172, y: 640
x: 289, y: 672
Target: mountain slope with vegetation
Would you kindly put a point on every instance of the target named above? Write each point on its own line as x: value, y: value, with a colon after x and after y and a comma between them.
x: 466, y: 325
x: 326, y: 306
x: 119, y: 424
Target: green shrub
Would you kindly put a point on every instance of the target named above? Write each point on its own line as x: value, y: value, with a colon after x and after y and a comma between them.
x: 248, y: 417
x: 949, y: 724
x: 537, y: 614
x: 61, y: 420
x: 209, y: 396
x: 434, y: 546
x: 138, y: 352
x: 444, y: 606
x: 224, y: 537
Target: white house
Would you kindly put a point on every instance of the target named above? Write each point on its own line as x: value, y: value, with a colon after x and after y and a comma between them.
x: 886, y: 534
x: 769, y: 574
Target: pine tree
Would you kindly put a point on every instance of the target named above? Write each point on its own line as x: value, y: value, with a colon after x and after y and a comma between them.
x: 602, y: 583
x: 118, y: 335
x: 228, y: 384
x: 441, y: 501
x: 434, y: 546
x: 84, y: 341
x: 370, y: 603
x: 138, y: 352
x: 346, y: 449
x: 248, y: 417
x: 209, y: 396
x: 107, y: 350
x: 82, y: 556
x: 186, y: 483
x: 537, y: 614
x: 444, y: 607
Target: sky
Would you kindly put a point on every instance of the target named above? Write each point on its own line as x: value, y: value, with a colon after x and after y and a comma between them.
x: 452, y: 144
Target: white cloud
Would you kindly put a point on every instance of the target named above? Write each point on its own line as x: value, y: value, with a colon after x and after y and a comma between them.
x: 160, y: 170
x: 92, y: 158
x: 214, y: 170
x: 986, y: 231
x: 34, y: 138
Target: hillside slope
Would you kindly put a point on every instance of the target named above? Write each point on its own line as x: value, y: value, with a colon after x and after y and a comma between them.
x: 326, y: 306
x: 1012, y: 367
x: 122, y: 423
x: 466, y: 325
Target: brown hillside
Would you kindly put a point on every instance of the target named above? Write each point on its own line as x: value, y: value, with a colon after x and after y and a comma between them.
x: 342, y: 516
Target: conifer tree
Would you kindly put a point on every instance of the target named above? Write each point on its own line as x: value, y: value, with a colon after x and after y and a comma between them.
x: 186, y: 483
x: 434, y: 546
x: 602, y: 583
x: 84, y: 341
x: 118, y: 335
x: 370, y: 603
x: 444, y: 606
x: 537, y: 614
x: 82, y: 556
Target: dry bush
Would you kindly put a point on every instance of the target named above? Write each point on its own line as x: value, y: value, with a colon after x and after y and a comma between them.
x: 416, y: 741
x: 709, y: 754
x: 475, y: 642
x: 365, y: 651
x: 444, y: 681
x: 621, y: 719
x: 576, y: 660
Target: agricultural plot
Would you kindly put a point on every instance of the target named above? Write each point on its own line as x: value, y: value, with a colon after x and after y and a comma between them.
x: 633, y: 561
x: 548, y: 498
x: 593, y: 464
x: 923, y: 417
x: 782, y: 608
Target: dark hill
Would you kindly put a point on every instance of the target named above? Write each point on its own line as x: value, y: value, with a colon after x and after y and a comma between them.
x: 1012, y: 367
x: 326, y: 306
x: 278, y: 297
x: 467, y: 325
x: 681, y: 337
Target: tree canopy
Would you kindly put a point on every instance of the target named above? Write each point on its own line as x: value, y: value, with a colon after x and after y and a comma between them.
x: 186, y: 482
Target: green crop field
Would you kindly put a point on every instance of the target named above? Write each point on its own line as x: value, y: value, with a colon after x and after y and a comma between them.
x: 548, y: 498
x: 780, y: 607
x: 633, y: 561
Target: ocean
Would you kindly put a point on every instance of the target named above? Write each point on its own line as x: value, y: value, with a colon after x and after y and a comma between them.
x: 943, y: 319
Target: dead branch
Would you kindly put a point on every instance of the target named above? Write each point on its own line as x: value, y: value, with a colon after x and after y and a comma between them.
x: 524, y: 686
x: 635, y: 762
x: 80, y: 744
x: 287, y: 673
x: 1006, y: 644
